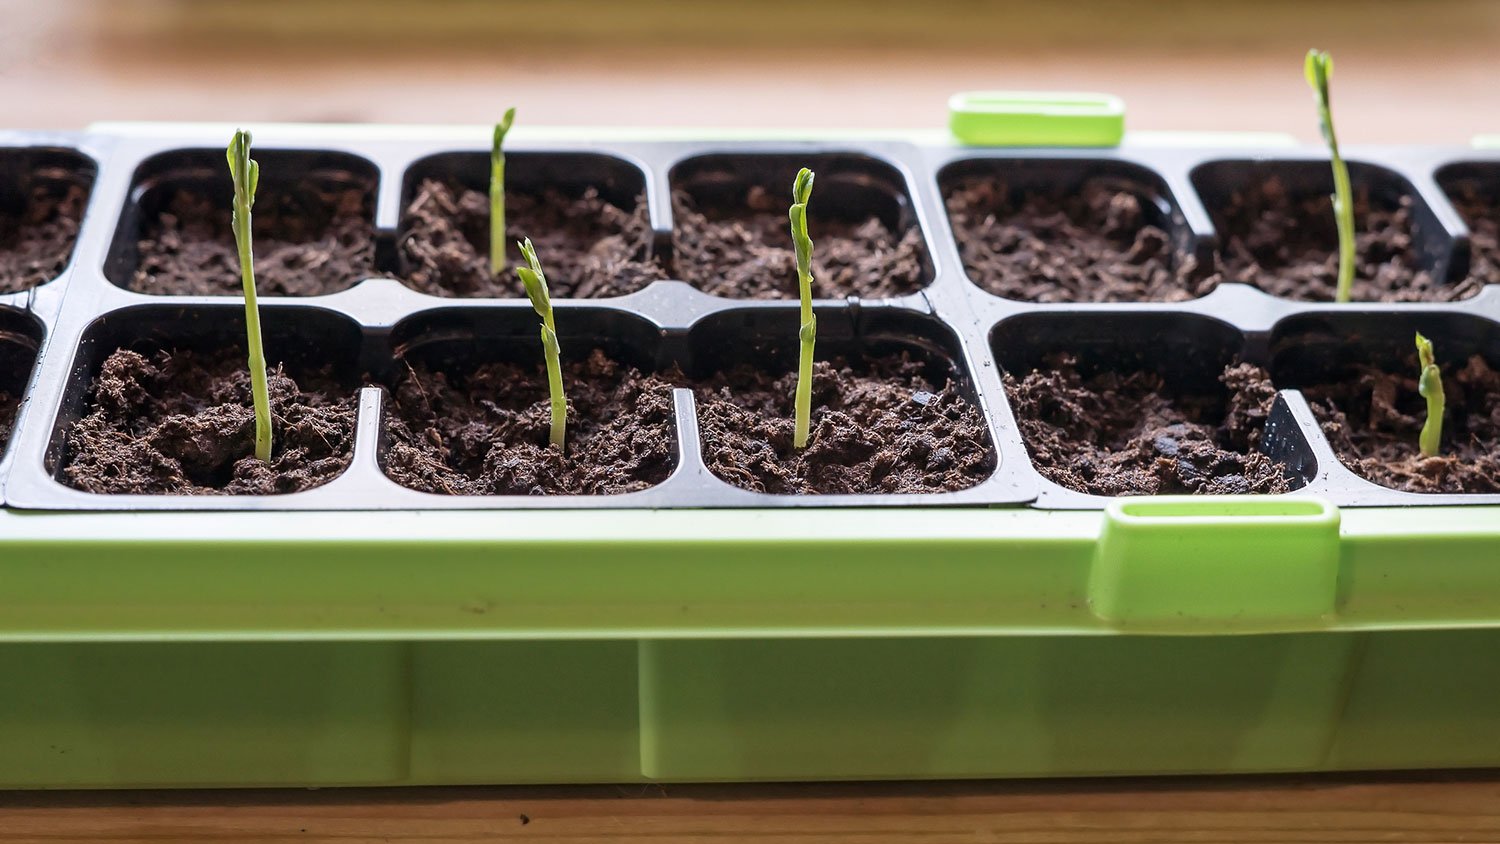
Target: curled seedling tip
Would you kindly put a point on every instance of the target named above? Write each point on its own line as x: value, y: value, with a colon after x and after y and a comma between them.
x: 503, y: 127
x: 1430, y: 385
x: 535, y: 281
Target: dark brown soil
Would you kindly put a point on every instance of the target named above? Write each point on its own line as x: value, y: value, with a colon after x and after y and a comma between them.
x: 746, y: 253
x: 306, y: 243
x: 1094, y: 244
x: 10, y: 405
x: 1480, y: 207
x: 1287, y: 245
x: 1122, y: 434
x: 182, y: 423
x: 1373, y: 421
x: 35, y: 245
x: 878, y: 429
x: 17, y: 357
x: 588, y: 247
x: 485, y: 433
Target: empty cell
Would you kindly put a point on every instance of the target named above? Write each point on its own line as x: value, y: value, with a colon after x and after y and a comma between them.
x: 1071, y: 230
x: 43, y: 194
x: 1474, y: 190
x: 1145, y: 404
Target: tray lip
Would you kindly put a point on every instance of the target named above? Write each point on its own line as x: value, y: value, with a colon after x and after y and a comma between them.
x: 161, y: 576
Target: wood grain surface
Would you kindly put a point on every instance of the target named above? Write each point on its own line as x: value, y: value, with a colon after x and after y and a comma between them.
x: 1452, y: 807
x: 1405, y: 72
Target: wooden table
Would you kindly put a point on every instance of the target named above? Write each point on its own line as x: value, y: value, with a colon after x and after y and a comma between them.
x: 1278, y: 810
x: 1405, y: 72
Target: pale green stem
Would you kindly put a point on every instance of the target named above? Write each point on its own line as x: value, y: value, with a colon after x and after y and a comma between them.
x: 535, y: 282
x: 1430, y: 385
x: 244, y: 197
x: 558, y: 437
x: 807, y: 334
x: 1318, y: 67
x: 1343, y: 209
x: 497, y: 214
x: 497, y: 194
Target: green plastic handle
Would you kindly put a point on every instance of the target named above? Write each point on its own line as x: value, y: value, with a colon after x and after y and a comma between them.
x: 1194, y: 564
x: 1036, y: 119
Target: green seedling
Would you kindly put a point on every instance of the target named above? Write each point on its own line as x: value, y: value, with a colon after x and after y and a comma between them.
x: 1317, y: 68
x: 1430, y: 385
x: 535, y: 282
x: 808, y: 334
x: 246, y: 175
x: 497, y: 193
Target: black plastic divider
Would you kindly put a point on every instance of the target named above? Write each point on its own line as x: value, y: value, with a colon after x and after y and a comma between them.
x: 962, y: 329
x: 52, y: 163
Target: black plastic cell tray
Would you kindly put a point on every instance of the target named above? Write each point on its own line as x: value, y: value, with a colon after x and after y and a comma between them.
x: 84, y: 314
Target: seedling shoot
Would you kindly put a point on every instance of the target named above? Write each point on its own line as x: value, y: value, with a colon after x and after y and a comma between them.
x: 535, y: 282
x: 1430, y: 385
x: 808, y: 333
x: 497, y: 193
x: 1317, y: 69
x: 246, y: 175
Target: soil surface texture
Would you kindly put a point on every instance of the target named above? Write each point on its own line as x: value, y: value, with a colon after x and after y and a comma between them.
x: 182, y: 423
x: 35, y: 245
x: 588, y: 247
x: 485, y: 432
x: 1373, y: 421
x: 880, y: 428
x: 10, y: 405
x: 1287, y: 245
x: 1094, y: 244
x: 1479, y: 205
x: 1122, y: 434
x: 746, y: 253
x: 306, y: 243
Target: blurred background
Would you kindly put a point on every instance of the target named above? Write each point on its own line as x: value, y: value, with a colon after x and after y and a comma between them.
x: 1406, y: 71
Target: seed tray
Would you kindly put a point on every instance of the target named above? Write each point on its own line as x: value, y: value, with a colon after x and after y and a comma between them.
x: 962, y: 329
x: 694, y: 630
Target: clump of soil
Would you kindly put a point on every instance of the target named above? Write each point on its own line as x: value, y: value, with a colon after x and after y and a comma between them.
x: 1094, y: 244
x: 485, y: 432
x: 746, y: 252
x: 589, y: 248
x: 182, y: 423
x: 1374, y: 418
x: 1480, y: 208
x: 1287, y: 245
x: 306, y: 242
x: 882, y: 427
x: 1122, y: 434
x: 35, y: 244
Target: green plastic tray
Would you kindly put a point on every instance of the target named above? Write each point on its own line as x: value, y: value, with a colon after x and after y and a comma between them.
x: 1155, y: 635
